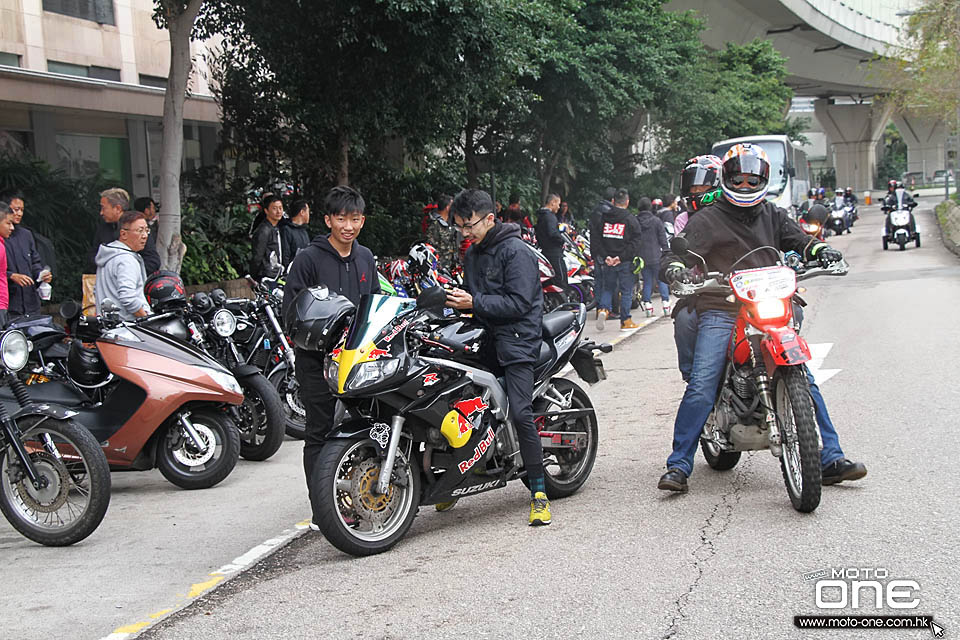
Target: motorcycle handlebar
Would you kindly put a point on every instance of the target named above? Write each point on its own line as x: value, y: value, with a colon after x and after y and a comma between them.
x: 717, y: 281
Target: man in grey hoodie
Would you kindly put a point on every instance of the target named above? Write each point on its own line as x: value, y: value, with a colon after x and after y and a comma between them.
x: 120, y: 270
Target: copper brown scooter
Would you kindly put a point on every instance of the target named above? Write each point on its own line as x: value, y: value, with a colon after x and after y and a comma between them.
x: 150, y: 399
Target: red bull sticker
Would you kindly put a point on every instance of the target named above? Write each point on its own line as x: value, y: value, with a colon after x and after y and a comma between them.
x: 478, y: 452
x: 466, y: 409
x: 376, y: 354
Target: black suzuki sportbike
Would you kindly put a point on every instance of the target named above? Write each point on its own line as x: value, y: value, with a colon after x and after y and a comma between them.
x: 422, y: 421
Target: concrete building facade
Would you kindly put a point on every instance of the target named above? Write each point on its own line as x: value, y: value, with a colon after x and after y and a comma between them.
x: 82, y: 85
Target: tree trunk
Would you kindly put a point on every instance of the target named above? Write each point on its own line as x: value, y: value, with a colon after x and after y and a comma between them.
x: 343, y: 174
x: 169, y: 242
x: 546, y: 175
x: 470, y: 155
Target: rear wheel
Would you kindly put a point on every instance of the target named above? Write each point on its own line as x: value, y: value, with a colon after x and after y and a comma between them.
x: 284, y: 380
x: 718, y: 459
x: 800, y: 460
x: 569, y: 455
x: 261, y: 419
x: 552, y: 300
x: 76, y: 482
x: 885, y: 244
x: 191, y: 467
x: 351, y: 515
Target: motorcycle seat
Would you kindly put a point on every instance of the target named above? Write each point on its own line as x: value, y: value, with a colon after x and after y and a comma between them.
x: 52, y: 392
x: 556, y: 322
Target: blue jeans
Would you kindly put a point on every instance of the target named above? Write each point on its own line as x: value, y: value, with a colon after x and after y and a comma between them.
x: 710, y: 344
x: 685, y: 335
x: 649, y: 277
x: 619, y: 278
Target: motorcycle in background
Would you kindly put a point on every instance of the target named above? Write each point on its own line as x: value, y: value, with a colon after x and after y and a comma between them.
x: 152, y: 401
x: 838, y: 220
x: 900, y: 225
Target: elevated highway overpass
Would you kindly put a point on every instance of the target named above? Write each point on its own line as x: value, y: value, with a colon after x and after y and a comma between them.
x: 831, y: 48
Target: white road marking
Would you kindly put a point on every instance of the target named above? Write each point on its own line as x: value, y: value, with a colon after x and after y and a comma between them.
x: 819, y: 352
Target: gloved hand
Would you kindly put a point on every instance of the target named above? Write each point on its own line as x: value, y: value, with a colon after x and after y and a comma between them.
x: 828, y: 256
x: 638, y: 264
x: 686, y: 276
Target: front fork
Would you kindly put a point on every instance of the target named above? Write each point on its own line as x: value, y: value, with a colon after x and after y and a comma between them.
x: 278, y: 330
x: 12, y: 433
x: 396, y: 427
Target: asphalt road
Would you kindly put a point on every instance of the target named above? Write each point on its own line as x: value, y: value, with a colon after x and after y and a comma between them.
x: 621, y: 558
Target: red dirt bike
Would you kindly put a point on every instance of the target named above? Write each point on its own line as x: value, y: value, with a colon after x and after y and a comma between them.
x: 763, y: 401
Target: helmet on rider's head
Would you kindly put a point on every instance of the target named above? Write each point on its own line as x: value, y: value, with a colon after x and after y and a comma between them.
x: 164, y: 290
x: 656, y: 203
x: 702, y: 171
x: 891, y: 186
x: 899, y: 185
x: 424, y: 258
x: 317, y: 318
x: 812, y: 193
x: 848, y: 191
x: 822, y: 192
x: 751, y: 162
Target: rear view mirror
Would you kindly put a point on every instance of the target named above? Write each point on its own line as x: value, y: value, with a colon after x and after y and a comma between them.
x: 432, y: 298
x: 70, y: 310
x: 109, y: 306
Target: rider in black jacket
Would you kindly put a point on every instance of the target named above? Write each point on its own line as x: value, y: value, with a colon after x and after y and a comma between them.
x: 549, y: 237
x: 722, y: 233
x: 346, y: 267
x: 505, y: 295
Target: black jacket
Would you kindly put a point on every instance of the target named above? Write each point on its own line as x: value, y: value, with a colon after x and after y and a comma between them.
x: 266, y: 240
x: 502, y: 274
x: 105, y: 233
x: 319, y: 263
x: 293, y: 238
x: 723, y: 233
x: 548, y: 232
x: 151, y: 258
x: 653, y: 238
x: 617, y: 233
x: 23, y: 257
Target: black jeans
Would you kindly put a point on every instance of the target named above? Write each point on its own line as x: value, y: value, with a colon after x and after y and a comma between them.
x: 519, y: 383
x: 559, y: 267
x: 319, y: 404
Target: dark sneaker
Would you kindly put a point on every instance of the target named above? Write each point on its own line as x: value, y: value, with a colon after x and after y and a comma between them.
x: 842, y: 470
x: 673, y: 480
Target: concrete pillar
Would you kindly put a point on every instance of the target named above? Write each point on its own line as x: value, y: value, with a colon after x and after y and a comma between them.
x: 853, y: 131
x: 925, y: 136
x: 35, y: 50
x: 42, y: 123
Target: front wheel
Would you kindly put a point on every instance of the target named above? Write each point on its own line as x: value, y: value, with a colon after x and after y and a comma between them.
x: 261, y: 419
x: 76, y: 482
x: 903, y: 243
x: 570, y: 449
x: 350, y: 514
x: 800, y: 460
x: 285, y: 382
x: 188, y: 466
x: 885, y: 244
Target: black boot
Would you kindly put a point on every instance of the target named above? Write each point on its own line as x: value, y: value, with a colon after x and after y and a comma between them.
x: 673, y: 480
x: 843, y: 469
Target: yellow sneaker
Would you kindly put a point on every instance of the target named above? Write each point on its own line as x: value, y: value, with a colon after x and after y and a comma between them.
x: 628, y: 324
x: 446, y: 506
x: 539, y: 510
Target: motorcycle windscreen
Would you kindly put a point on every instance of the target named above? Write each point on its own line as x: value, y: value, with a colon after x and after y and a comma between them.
x: 767, y: 283
x: 374, y: 313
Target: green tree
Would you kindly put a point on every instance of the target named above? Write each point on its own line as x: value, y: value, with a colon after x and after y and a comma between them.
x: 734, y: 92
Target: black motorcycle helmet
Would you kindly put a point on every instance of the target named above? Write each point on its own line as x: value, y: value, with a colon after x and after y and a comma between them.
x: 85, y: 365
x: 201, y: 302
x: 164, y: 290
x: 219, y: 297
x: 317, y: 318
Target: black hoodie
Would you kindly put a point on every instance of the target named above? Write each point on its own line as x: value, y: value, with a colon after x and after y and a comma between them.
x: 320, y: 263
x: 502, y: 274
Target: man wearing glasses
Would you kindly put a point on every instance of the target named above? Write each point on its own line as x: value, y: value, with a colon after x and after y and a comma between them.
x: 120, y: 270
x: 722, y: 233
x: 503, y: 280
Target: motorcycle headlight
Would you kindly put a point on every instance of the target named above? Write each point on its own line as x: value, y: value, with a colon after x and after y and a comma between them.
x: 810, y: 227
x: 224, y: 323
x: 369, y: 373
x: 14, y: 350
x: 332, y: 369
x: 769, y: 309
x: 224, y: 379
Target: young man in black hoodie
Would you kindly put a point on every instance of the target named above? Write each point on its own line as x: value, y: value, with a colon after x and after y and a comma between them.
x: 615, y: 241
x: 346, y: 267
x: 503, y: 281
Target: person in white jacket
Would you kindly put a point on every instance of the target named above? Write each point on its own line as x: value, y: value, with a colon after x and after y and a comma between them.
x: 120, y: 270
